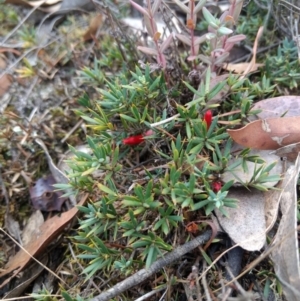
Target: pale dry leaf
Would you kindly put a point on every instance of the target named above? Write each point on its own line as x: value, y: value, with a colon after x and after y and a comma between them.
x: 51, y: 6
x: 271, y: 133
x: 54, y: 6
x: 43, y: 34
x: 273, y: 197
x: 287, y: 106
x: 246, y: 224
x: 285, y: 253
x: 12, y: 226
x: 272, y: 200
x: 253, y: 66
x: 69, y: 5
x: 32, y: 229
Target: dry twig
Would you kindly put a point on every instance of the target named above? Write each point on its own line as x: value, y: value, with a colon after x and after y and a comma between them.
x: 143, y: 274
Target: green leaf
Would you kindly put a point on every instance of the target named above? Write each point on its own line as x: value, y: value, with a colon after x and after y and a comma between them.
x: 165, y: 227
x: 227, y: 185
x: 151, y: 256
x: 89, y: 171
x: 192, y: 89
x: 139, y: 244
x: 216, y: 89
x: 66, y: 296
x: 200, y: 205
x: 107, y: 190
x: 128, y: 118
x: 207, y: 258
x: 224, y: 30
x: 210, y: 19
x: 259, y: 187
x: 199, y: 6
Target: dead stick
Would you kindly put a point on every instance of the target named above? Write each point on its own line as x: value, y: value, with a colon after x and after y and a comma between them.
x: 143, y: 274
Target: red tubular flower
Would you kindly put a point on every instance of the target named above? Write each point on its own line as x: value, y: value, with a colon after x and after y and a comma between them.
x: 207, y: 118
x: 137, y: 139
x: 216, y: 186
x: 133, y: 140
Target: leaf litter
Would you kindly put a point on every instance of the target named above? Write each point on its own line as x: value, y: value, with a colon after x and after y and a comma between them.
x: 47, y: 232
x: 36, y: 114
x: 281, y: 134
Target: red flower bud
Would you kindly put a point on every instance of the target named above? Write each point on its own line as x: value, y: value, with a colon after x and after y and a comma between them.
x: 207, y: 118
x: 137, y: 139
x: 216, y: 186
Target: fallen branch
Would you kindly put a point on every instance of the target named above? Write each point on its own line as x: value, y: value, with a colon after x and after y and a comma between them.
x: 143, y: 274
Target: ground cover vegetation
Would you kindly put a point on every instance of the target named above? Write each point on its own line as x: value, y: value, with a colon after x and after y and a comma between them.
x: 156, y: 109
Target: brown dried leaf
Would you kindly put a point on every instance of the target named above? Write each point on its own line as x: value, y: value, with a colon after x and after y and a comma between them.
x: 271, y: 133
x: 95, y: 23
x: 5, y: 82
x: 2, y: 61
x: 48, y: 232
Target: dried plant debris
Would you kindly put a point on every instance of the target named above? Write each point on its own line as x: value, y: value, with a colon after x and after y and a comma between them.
x: 48, y: 231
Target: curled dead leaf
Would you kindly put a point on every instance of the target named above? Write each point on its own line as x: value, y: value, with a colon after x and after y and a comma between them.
x: 44, y: 196
x: 95, y: 23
